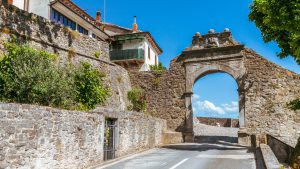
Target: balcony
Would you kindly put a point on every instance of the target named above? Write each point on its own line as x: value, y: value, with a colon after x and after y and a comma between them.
x: 129, y: 54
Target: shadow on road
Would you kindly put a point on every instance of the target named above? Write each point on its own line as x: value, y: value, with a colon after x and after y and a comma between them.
x: 204, y: 147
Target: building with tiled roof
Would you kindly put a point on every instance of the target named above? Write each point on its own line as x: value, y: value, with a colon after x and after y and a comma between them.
x: 130, y: 48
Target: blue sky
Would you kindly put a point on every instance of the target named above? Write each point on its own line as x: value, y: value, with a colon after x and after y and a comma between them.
x: 173, y: 23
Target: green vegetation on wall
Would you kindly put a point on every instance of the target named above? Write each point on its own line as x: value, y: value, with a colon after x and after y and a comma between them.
x: 35, y: 77
x: 137, y: 97
x: 294, y: 105
x: 90, y: 90
x: 158, y: 68
x: 97, y: 54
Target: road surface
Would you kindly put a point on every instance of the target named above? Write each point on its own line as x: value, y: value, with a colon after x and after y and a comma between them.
x: 220, y: 155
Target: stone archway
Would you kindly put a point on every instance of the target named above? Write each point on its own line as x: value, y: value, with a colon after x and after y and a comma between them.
x: 198, y: 61
x: 263, y: 87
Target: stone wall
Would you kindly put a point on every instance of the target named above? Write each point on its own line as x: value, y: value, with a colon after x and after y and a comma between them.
x: 223, y: 122
x: 136, y: 131
x: 268, y: 88
x: 164, y: 94
x: 43, y: 137
x: 69, y: 45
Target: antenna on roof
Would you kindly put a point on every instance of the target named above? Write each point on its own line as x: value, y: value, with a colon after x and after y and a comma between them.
x: 104, y: 11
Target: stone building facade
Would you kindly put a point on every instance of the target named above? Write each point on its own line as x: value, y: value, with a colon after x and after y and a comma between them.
x: 264, y: 88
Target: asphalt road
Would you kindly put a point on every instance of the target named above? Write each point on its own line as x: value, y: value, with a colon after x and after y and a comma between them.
x: 221, y: 155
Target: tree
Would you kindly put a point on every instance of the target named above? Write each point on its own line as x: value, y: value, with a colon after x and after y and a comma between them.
x: 279, y: 21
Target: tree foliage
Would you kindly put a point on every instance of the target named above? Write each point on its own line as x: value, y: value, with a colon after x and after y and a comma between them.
x: 90, y: 90
x: 137, y: 97
x: 35, y: 77
x: 279, y: 21
x: 31, y: 76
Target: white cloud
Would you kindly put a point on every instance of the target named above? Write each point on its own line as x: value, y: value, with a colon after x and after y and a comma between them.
x: 205, y: 106
x: 209, y: 107
x: 233, y: 107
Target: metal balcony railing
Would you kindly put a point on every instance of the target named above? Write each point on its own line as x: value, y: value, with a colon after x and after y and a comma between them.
x: 127, y: 54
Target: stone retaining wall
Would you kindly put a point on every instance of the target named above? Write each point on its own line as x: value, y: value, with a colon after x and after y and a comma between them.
x: 223, y: 122
x: 281, y: 150
x: 70, y: 46
x: 42, y: 137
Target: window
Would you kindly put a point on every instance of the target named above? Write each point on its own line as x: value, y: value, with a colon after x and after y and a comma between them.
x: 60, y: 18
x: 80, y: 29
x: 118, y: 47
x: 149, y: 53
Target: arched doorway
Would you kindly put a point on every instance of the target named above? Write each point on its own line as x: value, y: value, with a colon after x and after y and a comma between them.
x: 195, y: 71
x: 215, y: 107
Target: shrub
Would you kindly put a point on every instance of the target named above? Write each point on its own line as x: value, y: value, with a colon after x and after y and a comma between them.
x: 137, y: 97
x: 294, y: 105
x: 35, y: 77
x: 97, y: 54
x: 156, y: 82
x: 90, y: 90
x: 158, y: 68
x: 31, y: 76
x: 294, y: 158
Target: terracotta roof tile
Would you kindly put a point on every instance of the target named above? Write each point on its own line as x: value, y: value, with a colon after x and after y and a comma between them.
x: 76, y: 9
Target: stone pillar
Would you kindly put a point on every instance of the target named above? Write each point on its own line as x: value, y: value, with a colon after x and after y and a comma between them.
x: 189, y: 131
x: 241, y: 108
x: 244, y: 138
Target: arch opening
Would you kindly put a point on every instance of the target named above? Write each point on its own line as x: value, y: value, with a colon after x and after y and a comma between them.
x: 215, y: 105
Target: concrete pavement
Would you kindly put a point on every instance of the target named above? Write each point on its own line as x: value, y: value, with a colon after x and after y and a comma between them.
x: 221, y: 155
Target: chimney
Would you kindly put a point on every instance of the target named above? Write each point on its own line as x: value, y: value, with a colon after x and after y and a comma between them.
x: 98, y: 16
x: 10, y: 2
x: 135, y: 25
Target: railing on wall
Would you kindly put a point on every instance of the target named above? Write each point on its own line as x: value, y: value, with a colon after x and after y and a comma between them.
x: 127, y: 54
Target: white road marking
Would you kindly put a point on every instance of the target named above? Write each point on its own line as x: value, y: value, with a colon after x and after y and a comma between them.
x: 126, y: 158
x: 178, y: 164
x: 226, y: 156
